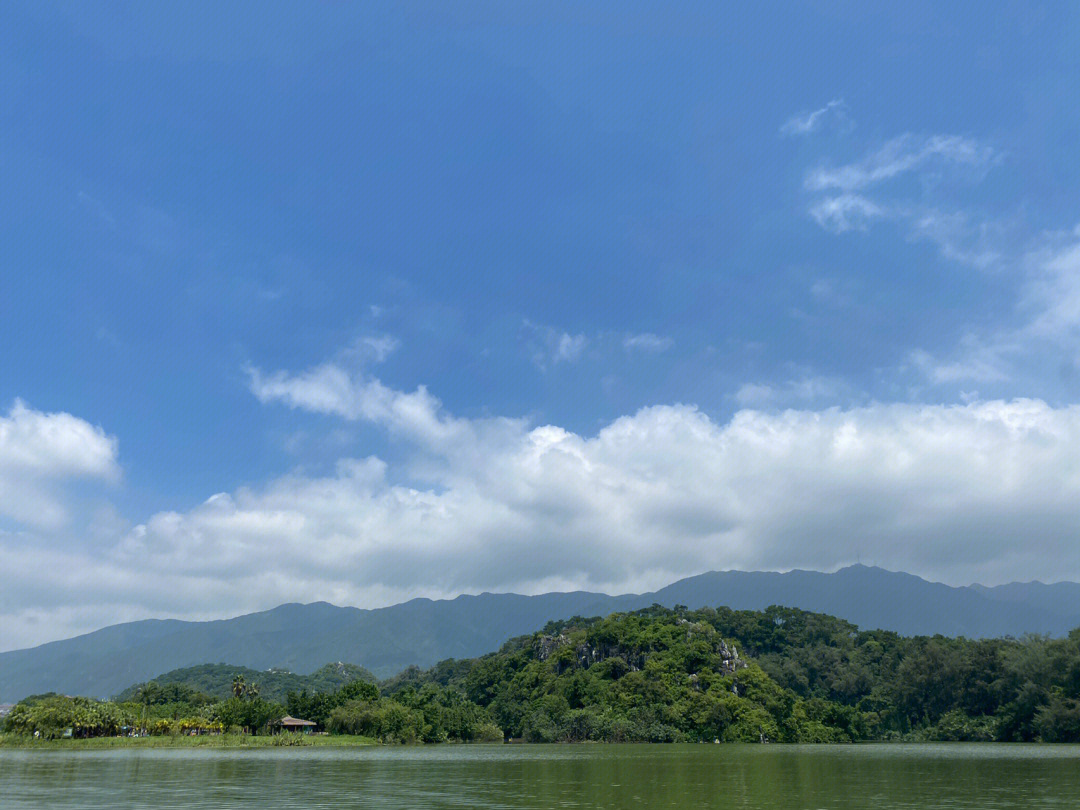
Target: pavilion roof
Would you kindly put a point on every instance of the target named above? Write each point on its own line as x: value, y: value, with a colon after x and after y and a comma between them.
x: 295, y: 721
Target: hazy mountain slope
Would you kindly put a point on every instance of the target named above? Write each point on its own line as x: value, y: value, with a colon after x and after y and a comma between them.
x: 875, y: 598
x: 1061, y: 598
x: 304, y: 637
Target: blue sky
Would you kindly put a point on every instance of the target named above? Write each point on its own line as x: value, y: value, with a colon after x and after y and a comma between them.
x: 342, y: 266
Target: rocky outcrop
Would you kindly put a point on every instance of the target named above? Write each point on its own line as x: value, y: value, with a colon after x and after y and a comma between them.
x: 585, y: 654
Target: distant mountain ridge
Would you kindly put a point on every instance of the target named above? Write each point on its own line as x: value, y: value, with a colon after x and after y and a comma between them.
x: 303, y: 638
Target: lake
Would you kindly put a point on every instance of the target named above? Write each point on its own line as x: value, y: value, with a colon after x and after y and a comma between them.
x: 882, y: 777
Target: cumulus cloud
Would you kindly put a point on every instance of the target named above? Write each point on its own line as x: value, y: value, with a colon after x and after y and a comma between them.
x: 351, y: 394
x: 943, y: 490
x: 985, y: 491
x: 38, y: 453
x: 806, y: 123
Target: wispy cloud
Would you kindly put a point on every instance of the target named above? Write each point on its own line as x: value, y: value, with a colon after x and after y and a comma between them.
x: 806, y: 123
x: 647, y: 342
x: 899, y: 156
x: 852, y: 196
x: 549, y: 346
x: 373, y: 348
x: 973, y: 361
x: 1046, y: 319
x: 960, y: 238
x: 845, y: 212
x: 804, y: 389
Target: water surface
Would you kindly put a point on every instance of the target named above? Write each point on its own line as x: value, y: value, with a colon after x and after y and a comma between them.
x: 883, y: 777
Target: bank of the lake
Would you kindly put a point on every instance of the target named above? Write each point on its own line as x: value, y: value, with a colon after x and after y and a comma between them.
x: 206, y: 741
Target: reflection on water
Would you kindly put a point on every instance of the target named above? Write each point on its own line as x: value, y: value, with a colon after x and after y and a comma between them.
x: 588, y: 776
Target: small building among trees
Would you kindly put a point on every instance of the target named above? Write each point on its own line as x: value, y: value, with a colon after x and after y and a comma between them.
x: 288, y: 723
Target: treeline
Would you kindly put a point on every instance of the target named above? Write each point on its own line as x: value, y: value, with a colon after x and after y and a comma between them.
x: 429, y: 714
x: 654, y: 675
x: 935, y: 688
x: 660, y: 674
x: 216, y: 680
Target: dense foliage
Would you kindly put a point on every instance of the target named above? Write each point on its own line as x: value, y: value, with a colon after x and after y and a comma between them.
x: 655, y: 675
x: 216, y: 680
x: 660, y: 674
x: 936, y: 688
x: 52, y: 715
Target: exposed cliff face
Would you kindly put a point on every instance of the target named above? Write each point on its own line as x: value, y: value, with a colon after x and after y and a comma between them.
x: 584, y: 654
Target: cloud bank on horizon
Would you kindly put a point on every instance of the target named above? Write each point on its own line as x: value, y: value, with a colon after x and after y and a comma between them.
x: 471, y: 317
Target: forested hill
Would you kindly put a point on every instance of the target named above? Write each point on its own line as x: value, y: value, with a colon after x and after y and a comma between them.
x: 653, y: 675
x: 217, y: 680
x: 301, y: 638
x: 661, y: 674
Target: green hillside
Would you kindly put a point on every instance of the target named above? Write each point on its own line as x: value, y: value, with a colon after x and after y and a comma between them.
x: 659, y: 674
x: 421, y: 632
x: 652, y: 675
x: 216, y: 680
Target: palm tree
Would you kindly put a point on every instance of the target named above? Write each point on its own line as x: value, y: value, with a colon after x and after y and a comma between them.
x: 253, y: 691
x: 238, y: 686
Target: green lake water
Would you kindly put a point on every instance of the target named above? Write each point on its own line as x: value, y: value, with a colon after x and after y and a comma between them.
x: 777, y: 777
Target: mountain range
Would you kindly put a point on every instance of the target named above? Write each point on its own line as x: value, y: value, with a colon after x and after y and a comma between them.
x: 304, y: 637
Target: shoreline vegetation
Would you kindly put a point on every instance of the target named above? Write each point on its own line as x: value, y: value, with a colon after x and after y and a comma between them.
x: 207, y: 741
x: 653, y: 675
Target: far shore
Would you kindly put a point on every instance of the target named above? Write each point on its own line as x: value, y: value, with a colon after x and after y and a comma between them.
x: 184, y: 741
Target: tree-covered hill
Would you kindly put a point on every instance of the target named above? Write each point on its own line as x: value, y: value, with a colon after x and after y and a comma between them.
x: 660, y: 674
x: 651, y: 675
x: 421, y: 632
x: 216, y: 680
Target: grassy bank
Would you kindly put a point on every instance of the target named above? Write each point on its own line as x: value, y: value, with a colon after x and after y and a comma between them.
x: 230, y: 741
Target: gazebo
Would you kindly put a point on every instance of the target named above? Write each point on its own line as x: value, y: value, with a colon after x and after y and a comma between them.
x: 288, y: 723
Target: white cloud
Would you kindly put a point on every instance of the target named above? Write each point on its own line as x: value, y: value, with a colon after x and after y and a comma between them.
x: 983, y: 491
x: 942, y: 490
x: 647, y: 342
x: 856, y: 194
x: 353, y: 395
x: 805, y: 389
x: 377, y: 349
x: 1047, y: 317
x: 975, y: 362
x: 38, y: 453
x: 806, y: 123
x: 549, y: 346
x: 756, y: 394
x: 845, y: 212
x: 958, y: 238
x: 1052, y: 294
x: 899, y: 156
